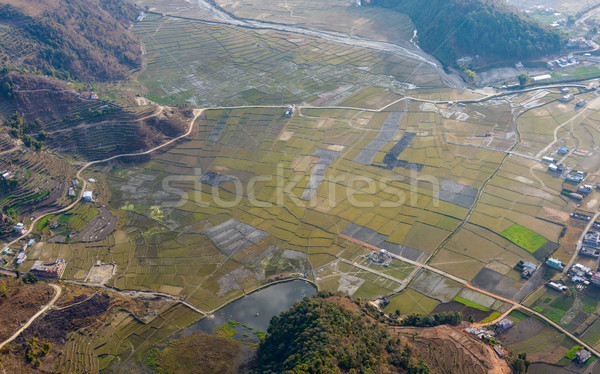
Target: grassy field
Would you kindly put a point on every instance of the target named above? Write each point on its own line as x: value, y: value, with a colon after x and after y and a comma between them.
x: 524, y: 238
x: 411, y: 301
x: 470, y: 303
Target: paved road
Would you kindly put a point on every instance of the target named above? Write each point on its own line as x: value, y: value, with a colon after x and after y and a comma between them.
x: 32, y: 224
x: 580, y: 242
x: 35, y: 316
x: 198, y: 112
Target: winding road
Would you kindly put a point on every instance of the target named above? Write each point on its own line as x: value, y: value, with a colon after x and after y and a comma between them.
x: 406, y: 52
x: 197, y: 113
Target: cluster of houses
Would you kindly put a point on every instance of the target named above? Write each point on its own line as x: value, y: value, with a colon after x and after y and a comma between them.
x: 561, y: 22
x: 580, y: 274
x: 580, y: 43
x: 568, y: 97
x: 575, y: 176
x: 486, y: 334
x: 563, y: 62
x: 21, y: 256
x: 591, y: 243
x: 381, y: 257
x: 553, y: 164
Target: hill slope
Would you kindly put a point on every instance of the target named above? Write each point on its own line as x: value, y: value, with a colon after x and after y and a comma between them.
x: 69, y: 38
x: 491, y: 29
x: 333, y: 334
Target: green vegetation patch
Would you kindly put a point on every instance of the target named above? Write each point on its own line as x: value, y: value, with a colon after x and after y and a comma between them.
x: 517, y: 316
x: 572, y: 352
x: 471, y: 304
x: 563, y: 303
x: 589, y: 304
x: 555, y: 314
x: 42, y: 223
x: 491, y: 317
x: 524, y: 238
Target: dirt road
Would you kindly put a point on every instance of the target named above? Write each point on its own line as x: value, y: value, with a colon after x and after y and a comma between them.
x: 468, y: 285
x: 35, y: 316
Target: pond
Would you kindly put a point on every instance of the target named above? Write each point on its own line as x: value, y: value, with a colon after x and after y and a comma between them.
x: 254, y: 311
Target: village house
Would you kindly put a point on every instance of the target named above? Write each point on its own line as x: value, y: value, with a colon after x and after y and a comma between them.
x: 555, y: 263
x: 557, y: 286
x: 592, y: 239
x: 87, y: 196
x: 20, y: 228
x: 499, y: 351
x: 582, y: 356
x: 505, y: 324
x: 54, y: 270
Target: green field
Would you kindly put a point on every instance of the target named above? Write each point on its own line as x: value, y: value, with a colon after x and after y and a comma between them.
x: 524, y: 238
x: 470, y: 303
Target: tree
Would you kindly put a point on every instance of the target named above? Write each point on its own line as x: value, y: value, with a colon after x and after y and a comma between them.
x: 471, y: 75
x: 42, y: 135
x: 6, y: 88
x: 470, y: 319
x: 520, y: 363
x: 524, y: 79
x: 30, y: 278
x: 46, y: 348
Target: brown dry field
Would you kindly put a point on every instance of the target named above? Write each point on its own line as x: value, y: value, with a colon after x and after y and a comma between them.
x: 19, y: 302
x: 456, y: 346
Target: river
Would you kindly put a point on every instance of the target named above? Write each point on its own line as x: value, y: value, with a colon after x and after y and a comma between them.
x: 410, y: 51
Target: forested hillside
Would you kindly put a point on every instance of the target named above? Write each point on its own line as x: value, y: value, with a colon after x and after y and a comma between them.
x: 449, y: 29
x: 320, y: 336
x: 69, y: 38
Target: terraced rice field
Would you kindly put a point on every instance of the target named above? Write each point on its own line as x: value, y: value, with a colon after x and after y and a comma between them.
x: 296, y: 184
x: 205, y: 64
x: 340, y: 16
